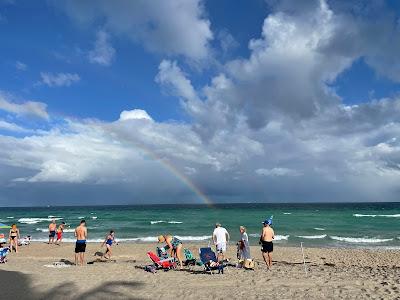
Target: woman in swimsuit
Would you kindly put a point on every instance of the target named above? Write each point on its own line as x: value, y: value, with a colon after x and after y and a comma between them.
x: 14, y: 236
x: 109, y: 240
x: 175, y: 246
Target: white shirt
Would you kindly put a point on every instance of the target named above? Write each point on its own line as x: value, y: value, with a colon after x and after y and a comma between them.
x: 220, y: 235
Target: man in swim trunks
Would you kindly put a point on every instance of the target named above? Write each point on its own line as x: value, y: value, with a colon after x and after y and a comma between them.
x: 221, y: 238
x: 52, y: 231
x: 267, y: 247
x: 60, y: 231
x: 80, y: 246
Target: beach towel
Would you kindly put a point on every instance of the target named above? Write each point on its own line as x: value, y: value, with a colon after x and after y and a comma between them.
x: 190, y: 260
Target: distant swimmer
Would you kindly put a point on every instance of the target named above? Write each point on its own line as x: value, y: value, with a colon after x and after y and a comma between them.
x: 80, y: 246
x: 52, y: 231
x: 60, y: 231
x: 109, y: 241
x: 267, y: 247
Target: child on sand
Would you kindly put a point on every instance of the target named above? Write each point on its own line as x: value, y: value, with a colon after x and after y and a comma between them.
x: 60, y: 231
x: 109, y: 240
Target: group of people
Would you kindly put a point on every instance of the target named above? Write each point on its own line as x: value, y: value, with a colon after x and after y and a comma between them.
x: 220, y: 239
x: 54, y: 230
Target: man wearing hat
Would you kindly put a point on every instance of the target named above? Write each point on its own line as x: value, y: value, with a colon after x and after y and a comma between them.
x: 266, y: 239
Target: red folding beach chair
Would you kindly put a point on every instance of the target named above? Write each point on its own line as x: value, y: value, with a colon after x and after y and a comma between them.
x: 166, y: 264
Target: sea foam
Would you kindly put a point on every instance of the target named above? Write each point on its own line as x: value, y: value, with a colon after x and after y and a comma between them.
x: 36, y: 220
x: 374, y: 216
x: 359, y: 240
x: 322, y: 236
x: 319, y: 228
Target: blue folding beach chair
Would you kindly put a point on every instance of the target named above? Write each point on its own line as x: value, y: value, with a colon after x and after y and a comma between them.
x: 210, y: 261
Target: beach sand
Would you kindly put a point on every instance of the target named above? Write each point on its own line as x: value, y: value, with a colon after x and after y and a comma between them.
x: 332, y: 274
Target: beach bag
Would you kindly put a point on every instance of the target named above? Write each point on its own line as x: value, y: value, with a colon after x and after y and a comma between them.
x: 188, y: 254
x: 248, y: 264
x: 189, y: 257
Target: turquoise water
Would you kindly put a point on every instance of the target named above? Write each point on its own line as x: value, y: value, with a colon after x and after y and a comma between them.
x: 328, y: 225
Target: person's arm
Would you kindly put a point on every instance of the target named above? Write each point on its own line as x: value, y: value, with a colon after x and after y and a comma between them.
x: 214, y: 237
x: 273, y: 234
x: 262, y: 236
x: 18, y: 236
x: 227, y: 236
x: 86, y: 235
x: 75, y: 234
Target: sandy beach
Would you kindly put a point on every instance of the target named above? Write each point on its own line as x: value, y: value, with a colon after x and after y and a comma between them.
x: 332, y: 274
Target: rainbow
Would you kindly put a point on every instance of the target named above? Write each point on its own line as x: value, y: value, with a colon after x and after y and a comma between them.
x: 177, y: 173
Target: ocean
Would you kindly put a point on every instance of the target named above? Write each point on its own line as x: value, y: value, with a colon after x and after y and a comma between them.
x: 361, y: 225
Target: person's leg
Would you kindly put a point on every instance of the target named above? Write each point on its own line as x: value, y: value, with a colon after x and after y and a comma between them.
x: 16, y: 245
x: 179, y: 254
x: 265, y: 257
x: 49, y: 240
x: 270, y: 259
x: 83, y: 258
x: 108, y: 251
x: 76, y: 259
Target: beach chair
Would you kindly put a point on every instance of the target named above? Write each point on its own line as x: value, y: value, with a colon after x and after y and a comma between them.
x: 3, y: 255
x: 165, y: 264
x: 210, y: 261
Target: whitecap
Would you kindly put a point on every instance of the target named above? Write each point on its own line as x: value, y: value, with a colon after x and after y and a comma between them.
x: 194, y: 238
x: 287, y: 213
x: 322, y: 236
x: 35, y: 220
x: 281, y: 237
x: 374, y: 216
x: 94, y: 218
x: 360, y: 240
x: 319, y: 228
x: 10, y: 217
x: 156, y: 222
x: 174, y: 222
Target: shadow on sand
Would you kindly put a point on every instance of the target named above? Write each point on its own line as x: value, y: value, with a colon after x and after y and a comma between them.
x: 16, y: 285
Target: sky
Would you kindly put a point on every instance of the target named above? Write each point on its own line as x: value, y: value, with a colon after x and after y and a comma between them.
x: 199, y: 101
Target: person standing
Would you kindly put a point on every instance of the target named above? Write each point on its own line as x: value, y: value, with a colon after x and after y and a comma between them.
x: 267, y: 247
x: 60, y: 231
x: 220, y: 238
x: 244, y: 244
x: 52, y: 231
x: 14, y: 237
x: 80, y: 246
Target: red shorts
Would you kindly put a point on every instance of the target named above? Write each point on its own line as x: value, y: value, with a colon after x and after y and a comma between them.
x: 59, y: 235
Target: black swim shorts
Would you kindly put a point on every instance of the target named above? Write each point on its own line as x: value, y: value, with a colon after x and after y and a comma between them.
x: 52, y: 234
x: 267, y: 247
x: 80, y: 247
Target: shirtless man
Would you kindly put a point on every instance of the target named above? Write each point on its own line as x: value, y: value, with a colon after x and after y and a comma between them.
x: 80, y: 246
x: 267, y: 235
x: 52, y: 231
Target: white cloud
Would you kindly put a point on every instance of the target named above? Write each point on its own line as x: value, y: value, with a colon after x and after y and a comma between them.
x: 103, y: 52
x: 278, y: 172
x: 59, y: 79
x: 136, y: 114
x: 20, y: 66
x: 12, y: 127
x: 176, y: 27
x: 28, y: 108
